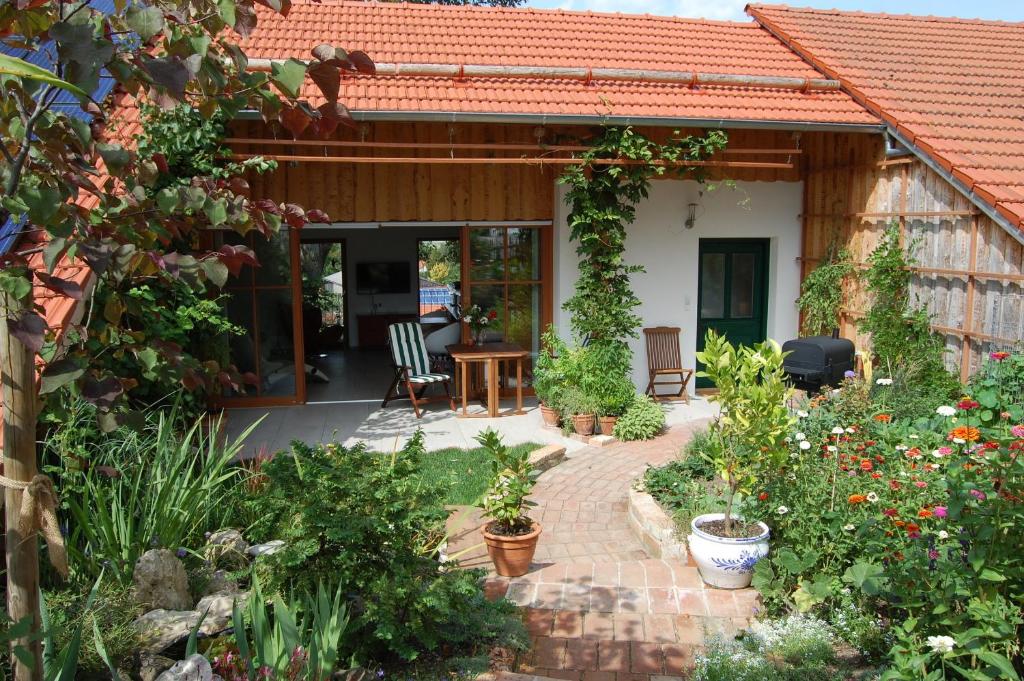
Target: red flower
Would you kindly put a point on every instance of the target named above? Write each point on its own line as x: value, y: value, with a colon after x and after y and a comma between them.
x: 876, y: 475
x: 763, y: 496
x: 998, y: 356
x: 968, y: 404
x: 865, y: 465
x: 492, y: 315
x: 891, y: 512
x: 894, y: 484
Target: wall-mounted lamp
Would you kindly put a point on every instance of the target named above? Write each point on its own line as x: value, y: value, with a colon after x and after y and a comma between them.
x: 691, y: 215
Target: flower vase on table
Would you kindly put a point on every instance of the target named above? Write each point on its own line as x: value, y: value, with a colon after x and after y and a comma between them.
x: 478, y: 322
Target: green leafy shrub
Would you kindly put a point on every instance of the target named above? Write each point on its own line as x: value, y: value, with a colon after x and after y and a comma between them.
x: 369, y: 522
x: 575, y: 400
x: 685, y: 489
x: 95, y: 622
x: 643, y: 420
x: 158, y: 487
x: 505, y: 501
x: 548, y: 373
x: 998, y: 386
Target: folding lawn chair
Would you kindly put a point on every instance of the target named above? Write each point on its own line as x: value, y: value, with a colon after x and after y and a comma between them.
x: 412, y: 367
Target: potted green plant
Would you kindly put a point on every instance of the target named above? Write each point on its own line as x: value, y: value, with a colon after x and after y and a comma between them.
x: 548, y: 376
x: 746, y: 441
x: 614, y: 397
x: 581, y: 407
x: 510, y: 535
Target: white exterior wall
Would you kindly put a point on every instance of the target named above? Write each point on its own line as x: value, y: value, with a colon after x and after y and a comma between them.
x: 659, y: 241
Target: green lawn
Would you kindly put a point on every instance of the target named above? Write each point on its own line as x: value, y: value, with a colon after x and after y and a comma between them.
x: 464, y: 472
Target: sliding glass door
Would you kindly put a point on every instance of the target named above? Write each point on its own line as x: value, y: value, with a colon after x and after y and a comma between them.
x: 508, y: 272
x: 264, y: 302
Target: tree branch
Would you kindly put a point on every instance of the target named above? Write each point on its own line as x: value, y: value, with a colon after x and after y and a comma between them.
x: 18, y: 163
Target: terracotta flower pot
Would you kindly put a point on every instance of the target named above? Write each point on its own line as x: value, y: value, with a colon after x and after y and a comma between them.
x: 607, y: 424
x: 584, y: 424
x: 550, y: 416
x: 512, y: 555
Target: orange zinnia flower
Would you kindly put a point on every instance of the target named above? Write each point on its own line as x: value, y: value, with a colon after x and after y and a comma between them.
x: 966, y: 433
x: 857, y: 499
x: 883, y: 418
x: 924, y: 513
x: 865, y: 465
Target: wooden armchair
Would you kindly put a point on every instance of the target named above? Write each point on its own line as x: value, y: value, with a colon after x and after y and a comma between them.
x: 412, y: 367
x: 663, y: 359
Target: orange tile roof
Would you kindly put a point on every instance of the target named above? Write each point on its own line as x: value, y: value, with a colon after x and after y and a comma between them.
x: 415, y: 33
x: 951, y: 86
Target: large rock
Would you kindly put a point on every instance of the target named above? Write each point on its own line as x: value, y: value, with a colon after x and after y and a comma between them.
x: 161, y: 582
x: 158, y: 630
x: 218, y: 609
x: 193, y: 668
x: 220, y: 583
x: 144, y: 665
x: 227, y: 548
x: 271, y: 547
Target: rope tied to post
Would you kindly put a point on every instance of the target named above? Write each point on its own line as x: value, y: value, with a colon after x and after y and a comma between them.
x: 38, y: 513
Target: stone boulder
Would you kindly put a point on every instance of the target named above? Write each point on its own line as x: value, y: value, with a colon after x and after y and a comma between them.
x: 193, y: 668
x: 158, y: 630
x: 220, y: 583
x: 218, y: 609
x: 144, y: 665
x: 161, y: 582
x: 267, y: 549
x: 227, y: 548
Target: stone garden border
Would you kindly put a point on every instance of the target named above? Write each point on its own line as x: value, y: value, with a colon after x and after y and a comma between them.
x: 653, y: 527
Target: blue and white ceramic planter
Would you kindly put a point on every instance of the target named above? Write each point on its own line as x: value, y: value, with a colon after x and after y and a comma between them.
x: 723, y: 562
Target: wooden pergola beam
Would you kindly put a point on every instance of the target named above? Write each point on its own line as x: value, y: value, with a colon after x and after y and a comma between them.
x: 507, y: 160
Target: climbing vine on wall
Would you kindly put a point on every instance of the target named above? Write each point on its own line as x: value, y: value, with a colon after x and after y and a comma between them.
x: 603, y: 197
x: 821, y: 294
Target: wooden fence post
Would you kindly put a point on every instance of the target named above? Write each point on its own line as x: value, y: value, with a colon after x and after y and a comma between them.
x: 19, y: 439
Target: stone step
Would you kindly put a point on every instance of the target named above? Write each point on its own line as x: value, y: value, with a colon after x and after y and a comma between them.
x: 644, y: 586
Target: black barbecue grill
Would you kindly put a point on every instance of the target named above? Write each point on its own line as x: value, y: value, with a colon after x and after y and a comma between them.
x: 817, y: 361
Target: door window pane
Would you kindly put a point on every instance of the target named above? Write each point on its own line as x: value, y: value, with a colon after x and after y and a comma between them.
x: 277, y: 347
x: 741, y: 294
x: 274, y: 257
x: 241, y: 348
x: 524, y: 254
x: 487, y: 254
x: 712, y: 283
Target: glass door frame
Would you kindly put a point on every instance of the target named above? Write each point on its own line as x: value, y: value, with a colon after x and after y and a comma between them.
x: 241, y: 401
x: 546, y: 282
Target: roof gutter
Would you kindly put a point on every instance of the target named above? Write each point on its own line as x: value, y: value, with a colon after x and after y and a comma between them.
x: 597, y: 119
x: 983, y: 205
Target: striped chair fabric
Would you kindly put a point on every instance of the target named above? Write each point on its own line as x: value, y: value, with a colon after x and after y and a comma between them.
x: 410, y: 351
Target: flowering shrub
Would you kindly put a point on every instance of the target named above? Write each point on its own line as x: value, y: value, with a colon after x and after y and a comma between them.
x: 922, y: 522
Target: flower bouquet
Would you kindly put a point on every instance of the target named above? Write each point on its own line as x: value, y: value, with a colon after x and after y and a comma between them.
x: 478, y: 322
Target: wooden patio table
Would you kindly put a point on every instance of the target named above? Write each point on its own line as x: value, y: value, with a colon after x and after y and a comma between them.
x: 490, y: 355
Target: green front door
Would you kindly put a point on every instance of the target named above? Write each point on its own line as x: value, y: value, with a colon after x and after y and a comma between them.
x: 732, y: 297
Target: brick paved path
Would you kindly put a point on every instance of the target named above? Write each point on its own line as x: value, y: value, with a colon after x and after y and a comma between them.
x: 597, y: 606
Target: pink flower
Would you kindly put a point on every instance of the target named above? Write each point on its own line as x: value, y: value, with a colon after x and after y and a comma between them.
x: 940, y: 511
x: 998, y: 356
x: 933, y: 554
x: 920, y: 483
x: 1018, y: 431
x: 978, y: 494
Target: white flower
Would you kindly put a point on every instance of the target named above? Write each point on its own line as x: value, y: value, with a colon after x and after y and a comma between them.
x: 945, y: 410
x: 959, y: 441
x: 872, y: 497
x: 937, y: 454
x: 805, y: 445
x: 800, y: 436
x: 850, y: 430
x: 782, y: 510
x: 914, y: 437
x: 902, y: 448
x: 884, y: 381
x: 838, y: 430
x: 943, y: 534
x: 831, y: 448
x: 849, y: 527
x: 941, y: 644
x: 802, y: 414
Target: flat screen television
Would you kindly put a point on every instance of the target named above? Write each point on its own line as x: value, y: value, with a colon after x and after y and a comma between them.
x: 382, y: 277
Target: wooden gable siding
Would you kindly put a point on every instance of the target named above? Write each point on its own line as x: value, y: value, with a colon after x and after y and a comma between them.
x: 852, y: 193
x: 363, y: 192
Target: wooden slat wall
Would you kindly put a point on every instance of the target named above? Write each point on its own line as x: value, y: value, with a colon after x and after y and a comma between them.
x: 847, y: 174
x: 385, y: 192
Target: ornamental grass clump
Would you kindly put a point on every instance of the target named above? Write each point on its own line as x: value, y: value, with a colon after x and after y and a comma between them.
x: 749, y: 436
x: 505, y: 501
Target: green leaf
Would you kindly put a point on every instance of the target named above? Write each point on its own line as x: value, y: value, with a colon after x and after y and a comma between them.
x: 22, y: 69
x: 216, y: 211
x: 59, y: 374
x: 146, y: 21
x: 867, y: 577
x: 216, y: 271
x: 101, y: 650
x: 1004, y: 666
x: 288, y: 76
x: 43, y: 203
x: 167, y: 200
x: 990, y: 575
x: 149, y: 358
x: 115, y: 156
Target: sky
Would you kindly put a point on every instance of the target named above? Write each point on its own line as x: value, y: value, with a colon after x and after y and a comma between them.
x: 1007, y: 10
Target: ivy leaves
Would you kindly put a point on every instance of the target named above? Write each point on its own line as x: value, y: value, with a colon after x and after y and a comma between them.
x: 613, y: 176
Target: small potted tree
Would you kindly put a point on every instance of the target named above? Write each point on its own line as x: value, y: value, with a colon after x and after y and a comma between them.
x: 747, y: 440
x: 548, y: 376
x: 510, y: 535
